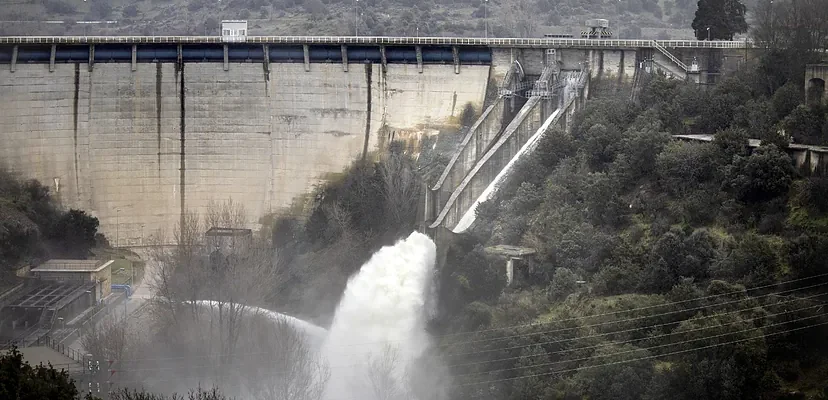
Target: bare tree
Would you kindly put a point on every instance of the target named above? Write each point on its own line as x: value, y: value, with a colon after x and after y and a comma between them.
x: 385, y: 375
x: 204, y: 284
x: 400, y: 188
x: 284, y: 365
x: 110, y: 338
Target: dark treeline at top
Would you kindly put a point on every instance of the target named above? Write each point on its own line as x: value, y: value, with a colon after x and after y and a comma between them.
x: 630, y: 18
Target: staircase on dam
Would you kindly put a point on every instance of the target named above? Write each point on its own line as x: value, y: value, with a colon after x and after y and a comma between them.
x: 671, y: 65
x: 484, y: 159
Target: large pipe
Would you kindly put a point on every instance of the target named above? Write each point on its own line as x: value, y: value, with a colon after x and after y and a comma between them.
x: 239, y: 52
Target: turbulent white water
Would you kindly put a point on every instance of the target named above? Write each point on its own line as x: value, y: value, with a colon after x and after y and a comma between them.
x: 383, y: 305
x: 382, y: 314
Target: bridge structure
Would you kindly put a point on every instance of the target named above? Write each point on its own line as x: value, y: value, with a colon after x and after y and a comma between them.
x: 137, y: 130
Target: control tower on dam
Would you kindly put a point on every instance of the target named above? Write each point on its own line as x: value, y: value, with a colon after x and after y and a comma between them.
x: 136, y: 130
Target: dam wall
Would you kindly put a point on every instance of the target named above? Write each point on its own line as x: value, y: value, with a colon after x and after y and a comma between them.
x: 138, y: 130
x: 137, y: 147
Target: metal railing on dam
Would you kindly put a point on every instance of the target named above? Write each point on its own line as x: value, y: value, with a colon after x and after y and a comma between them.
x: 389, y: 40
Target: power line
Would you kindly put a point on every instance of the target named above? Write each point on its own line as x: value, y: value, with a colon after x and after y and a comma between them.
x: 475, y: 332
x: 639, y: 349
x: 630, y: 330
x: 567, y: 350
x: 628, y: 319
x: 519, y: 326
x: 764, y: 335
x: 640, y: 339
x: 641, y: 358
x: 638, y: 308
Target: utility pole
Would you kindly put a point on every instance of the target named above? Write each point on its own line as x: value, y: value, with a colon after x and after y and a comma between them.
x: 117, y: 227
x: 486, y: 16
x: 356, y: 17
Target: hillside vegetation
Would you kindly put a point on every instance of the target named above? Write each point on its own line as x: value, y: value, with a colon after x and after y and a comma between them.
x: 664, y: 269
x: 629, y: 18
x: 34, y: 228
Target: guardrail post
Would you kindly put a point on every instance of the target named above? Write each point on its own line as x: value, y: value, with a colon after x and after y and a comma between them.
x: 306, y: 50
x: 383, y: 59
x: 419, y: 50
x: 91, y: 57
x: 134, y: 57
x: 14, y: 59
x: 456, y: 55
x: 344, y: 58
x: 52, y: 58
x: 226, y: 59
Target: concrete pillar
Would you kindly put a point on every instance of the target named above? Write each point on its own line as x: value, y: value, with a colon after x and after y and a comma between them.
x: 419, y: 50
x: 266, y: 49
x: 226, y: 59
x: 14, y: 59
x: 456, y: 55
x: 382, y: 57
x: 510, y: 271
x: 345, y: 58
x: 306, y: 49
x: 52, y: 58
x: 134, y: 57
x: 91, y: 57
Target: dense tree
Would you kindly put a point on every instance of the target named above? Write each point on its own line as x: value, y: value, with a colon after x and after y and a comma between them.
x: 564, y: 282
x: 21, y: 381
x: 676, y: 255
x: 470, y: 275
x: 754, y: 261
x: 719, y: 19
x: 683, y: 166
x: 807, y: 125
x: 74, y: 234
x: 761, y: 176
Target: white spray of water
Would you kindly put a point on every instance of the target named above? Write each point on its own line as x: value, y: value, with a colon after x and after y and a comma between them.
x: 383, y: 305
x: 313, y: 331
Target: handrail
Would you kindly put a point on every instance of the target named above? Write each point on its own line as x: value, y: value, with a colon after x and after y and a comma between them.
x: 459, y: 189
x: 465, y: 143
x: 385, y: 40
x: 670, y: 56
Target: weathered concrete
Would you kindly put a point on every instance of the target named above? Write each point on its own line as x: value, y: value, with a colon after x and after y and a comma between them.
x: 815, y: 89
x: 135, y: 148
x: 454, y: 200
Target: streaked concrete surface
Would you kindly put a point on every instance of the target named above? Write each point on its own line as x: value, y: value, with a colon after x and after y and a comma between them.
x: 109, y: 140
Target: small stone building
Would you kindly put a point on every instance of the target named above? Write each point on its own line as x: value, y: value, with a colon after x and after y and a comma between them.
x: 99, y: 272
x: 233, y: 30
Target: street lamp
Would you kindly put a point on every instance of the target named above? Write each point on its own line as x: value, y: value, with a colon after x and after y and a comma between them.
x: 708, y: 33
x: 62, y: 322
x: 126, y: 291
x: 117, y: 227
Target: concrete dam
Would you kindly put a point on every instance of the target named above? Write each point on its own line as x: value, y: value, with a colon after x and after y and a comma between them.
x: 138, y: 130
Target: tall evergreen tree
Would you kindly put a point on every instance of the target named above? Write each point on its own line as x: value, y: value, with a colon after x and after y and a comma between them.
x: 724, y: 18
